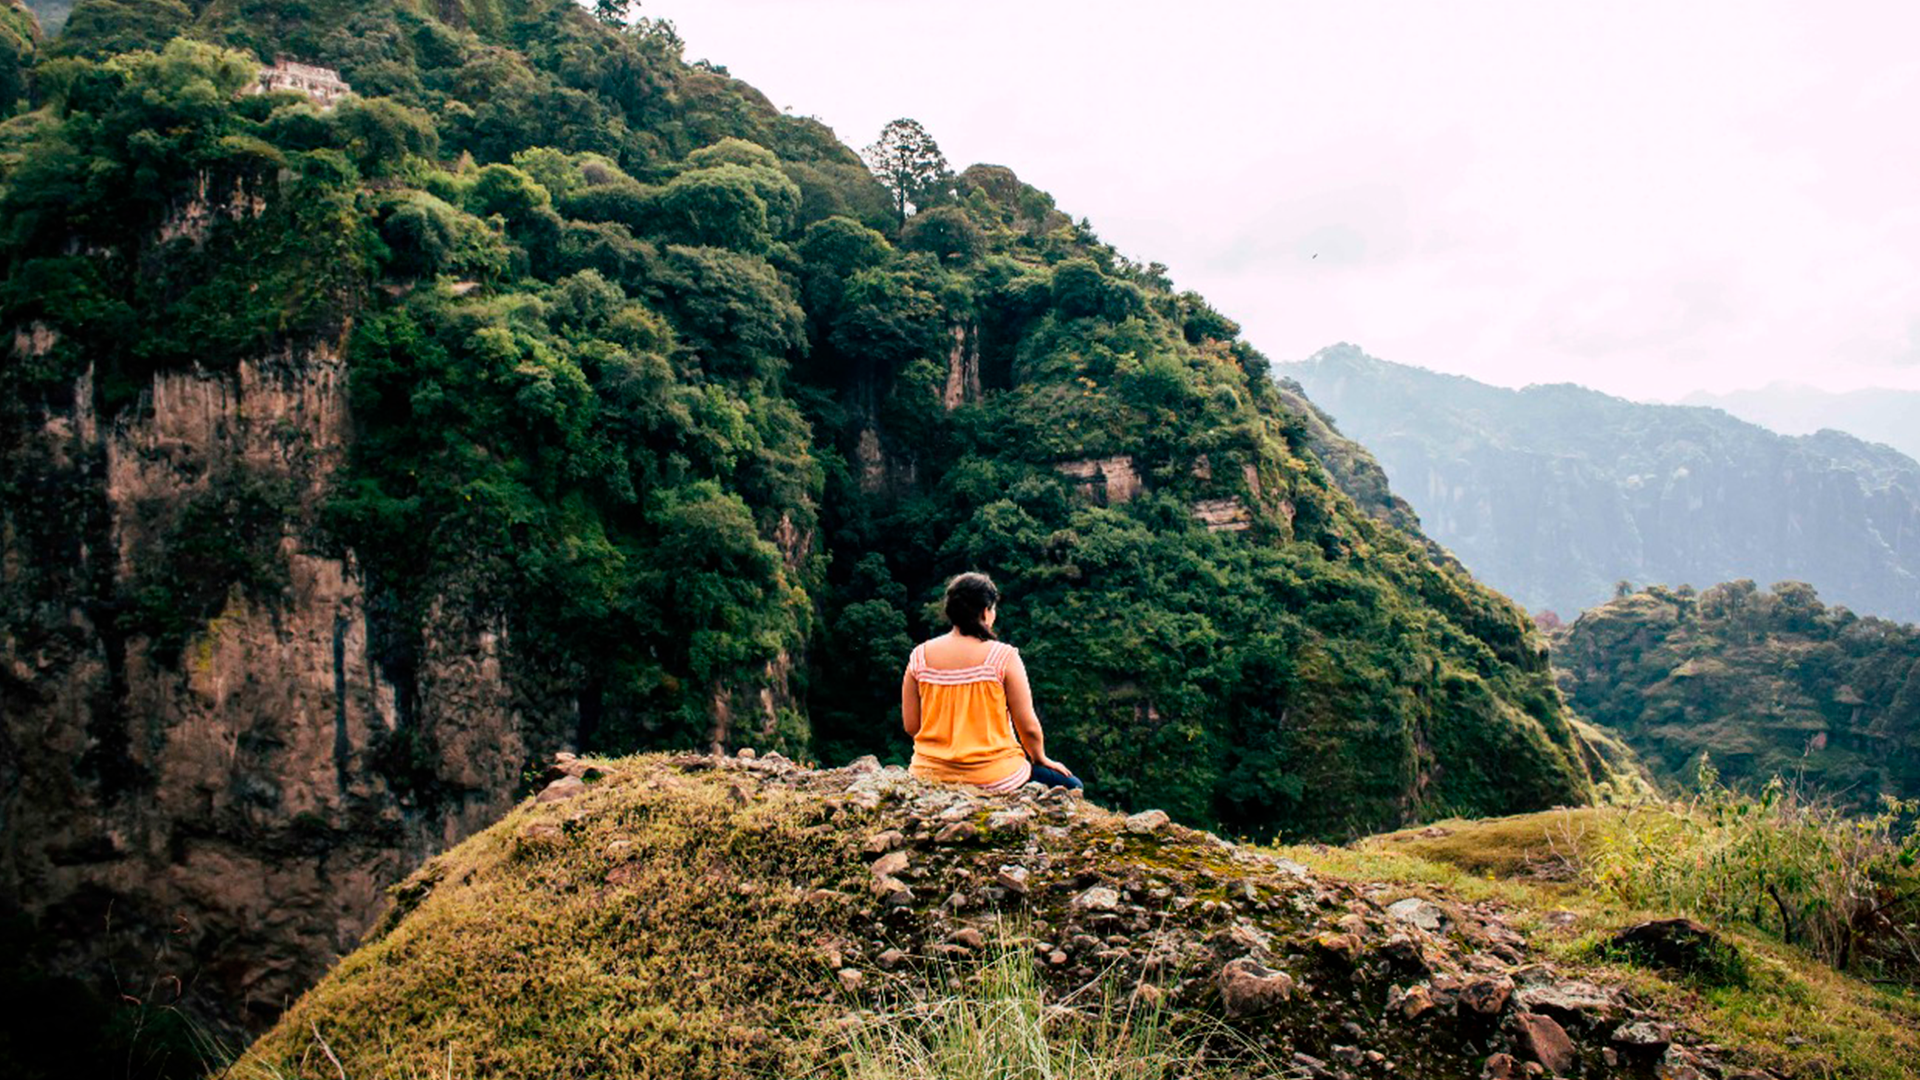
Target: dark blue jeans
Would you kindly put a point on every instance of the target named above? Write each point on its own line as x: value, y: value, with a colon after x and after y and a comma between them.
x: 1044, y: 775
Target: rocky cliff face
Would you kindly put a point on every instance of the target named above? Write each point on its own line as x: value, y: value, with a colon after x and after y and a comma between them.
x: 229, y: 815
x: 1553, y: 494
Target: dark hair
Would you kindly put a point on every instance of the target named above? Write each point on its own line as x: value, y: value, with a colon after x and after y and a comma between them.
x: 968, y: 598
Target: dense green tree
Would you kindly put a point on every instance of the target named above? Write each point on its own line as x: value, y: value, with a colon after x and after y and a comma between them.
x: 19, y: 44
x: 945, y: 232
x: 98, y: 29
x: 382, y: 134
x: 718, y: 207
x: 426, y: 237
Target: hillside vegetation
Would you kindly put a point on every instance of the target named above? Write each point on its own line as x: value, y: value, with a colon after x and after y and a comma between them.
x: 665, y: 381
x: 1555, y: 494
x: 1762, y: 683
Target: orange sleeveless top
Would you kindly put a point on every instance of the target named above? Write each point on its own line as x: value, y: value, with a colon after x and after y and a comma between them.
x: 966, y: 734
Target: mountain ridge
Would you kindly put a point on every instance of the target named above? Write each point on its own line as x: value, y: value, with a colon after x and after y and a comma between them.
x: 1557, y: 492
x: 1880, y: 415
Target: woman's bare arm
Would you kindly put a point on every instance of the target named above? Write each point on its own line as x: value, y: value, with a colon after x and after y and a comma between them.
x: 1026, y: 722
x: 909, y: 703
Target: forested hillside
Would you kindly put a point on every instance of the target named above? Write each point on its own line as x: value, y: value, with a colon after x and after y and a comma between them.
x: 548, y: 390
x: 1764, y: 683
x: 1554, y: 494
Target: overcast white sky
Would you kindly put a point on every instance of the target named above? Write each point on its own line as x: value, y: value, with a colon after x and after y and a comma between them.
x: 1646, y: 198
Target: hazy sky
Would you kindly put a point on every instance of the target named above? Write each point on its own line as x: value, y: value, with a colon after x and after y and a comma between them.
x: 1647, y: 198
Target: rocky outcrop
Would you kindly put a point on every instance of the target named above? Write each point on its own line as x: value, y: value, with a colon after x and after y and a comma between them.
x: 963, y: 368
x: 1223, y: 515
x: 224, y: 809
x: 864, y: 892
x: 1108, y: 481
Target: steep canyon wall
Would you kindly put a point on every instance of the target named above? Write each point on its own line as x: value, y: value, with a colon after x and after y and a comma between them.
x: 226, y: 810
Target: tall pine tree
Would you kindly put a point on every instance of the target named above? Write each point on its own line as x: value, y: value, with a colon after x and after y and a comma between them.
x: 909, y: 164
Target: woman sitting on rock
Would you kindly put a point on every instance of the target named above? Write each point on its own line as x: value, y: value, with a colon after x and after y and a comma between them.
x: 956, y: 696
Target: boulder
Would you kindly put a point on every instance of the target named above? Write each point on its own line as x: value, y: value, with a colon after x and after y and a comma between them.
x: 1541, y: 1039
x: 1487, y: 995
x: 1681, y: 945
x: 958, y: 832
x: 1012, y: 878
x: 1643, y: 1038
x: 1015, y: 818
x: 1571, y: 1001
x: 1502, y: 1067
x: 1247, y: 986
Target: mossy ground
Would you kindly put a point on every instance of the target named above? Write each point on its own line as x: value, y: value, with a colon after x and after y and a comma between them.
x: 713, y: 917
x: 1792, y: 1014
x: 635, y: 931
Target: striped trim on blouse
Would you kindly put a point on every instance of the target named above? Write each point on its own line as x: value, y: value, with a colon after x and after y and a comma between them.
x: 1012, y: 783
x: 988, y: 670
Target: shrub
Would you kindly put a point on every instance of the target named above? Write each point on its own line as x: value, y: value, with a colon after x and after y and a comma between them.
x: 1843, y: 887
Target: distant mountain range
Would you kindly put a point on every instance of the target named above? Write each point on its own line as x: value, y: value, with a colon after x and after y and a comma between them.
x: 1878, y: 415
x: 1554, y: 494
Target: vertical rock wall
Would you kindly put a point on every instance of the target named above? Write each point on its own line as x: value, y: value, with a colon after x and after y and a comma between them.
x: 229, y: 816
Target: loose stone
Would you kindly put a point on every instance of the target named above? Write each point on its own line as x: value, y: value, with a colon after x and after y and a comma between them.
x: 1147, y: 822
x: 1424, y: 914
x: 958, y: 832
x: 564, y: 788
x: 890, y: 864
x: 1098, y: 898
x: 1487, y: 995
x: 883, y: 842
